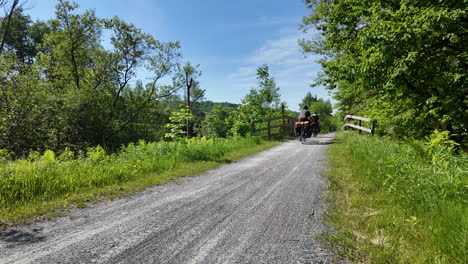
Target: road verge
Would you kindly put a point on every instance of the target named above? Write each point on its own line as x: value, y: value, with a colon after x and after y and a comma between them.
x: 44, y: 186
x: 396, y: 202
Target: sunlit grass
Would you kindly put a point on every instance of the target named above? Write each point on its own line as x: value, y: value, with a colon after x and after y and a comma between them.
x: 39, y: 187
x: 398, y: 202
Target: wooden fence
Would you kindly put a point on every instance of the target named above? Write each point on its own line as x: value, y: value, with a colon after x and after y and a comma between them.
x: 285, y: 127
x: 359, y: 123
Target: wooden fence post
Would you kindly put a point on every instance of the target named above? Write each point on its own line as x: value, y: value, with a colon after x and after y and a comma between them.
x: 252, y: 128
x: 359, y: 124
x: 283, y: 128
x: 269, y: 133
x: 372, y: 127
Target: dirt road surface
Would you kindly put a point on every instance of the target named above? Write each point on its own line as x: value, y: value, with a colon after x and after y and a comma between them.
x: 263, y: 209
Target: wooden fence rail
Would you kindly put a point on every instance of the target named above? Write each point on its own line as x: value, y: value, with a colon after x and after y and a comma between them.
x: 359, y: 125
x: 285, y: 128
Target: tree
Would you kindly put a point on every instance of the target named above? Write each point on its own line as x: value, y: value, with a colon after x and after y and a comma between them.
x: 216, y: 123
x: 7, y: 21
x: 260, y: 103
x: 308, y: 100
x: 186, y: 78
x: 401, y: 62
x: 133, y: 49
x: 178, y: 121
x: 22, y: 109
x: 25, y: 39
x: 60, y: 88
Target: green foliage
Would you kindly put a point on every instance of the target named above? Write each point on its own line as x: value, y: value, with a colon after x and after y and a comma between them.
x: 186, y: 78
x: 62, y: 89
x: 26, y: 37
x: 308, y: 100
x: 413, y: 194
x: 439, y: 141
x: 44, y: 177
x: 204, y: 107
x: 400, y: 62
x: 4, y: 155
x: 178, y: 121
x: 216, y: 123
x: 259, y: 104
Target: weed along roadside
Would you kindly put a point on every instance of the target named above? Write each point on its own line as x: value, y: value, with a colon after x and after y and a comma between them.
x: 40, y: 186
x: 397, y: 202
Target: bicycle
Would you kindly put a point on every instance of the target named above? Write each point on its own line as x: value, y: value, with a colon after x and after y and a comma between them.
x: 315, y: 127
x: 303, y: 132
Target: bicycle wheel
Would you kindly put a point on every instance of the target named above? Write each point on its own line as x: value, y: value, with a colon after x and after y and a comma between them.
x: 303, y: 135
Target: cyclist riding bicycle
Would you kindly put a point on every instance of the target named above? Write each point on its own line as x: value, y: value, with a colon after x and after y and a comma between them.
x: 314, y: 117
x: 304, y: 115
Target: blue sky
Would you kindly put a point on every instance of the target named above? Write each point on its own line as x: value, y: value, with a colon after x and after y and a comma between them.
x: 229, y: 39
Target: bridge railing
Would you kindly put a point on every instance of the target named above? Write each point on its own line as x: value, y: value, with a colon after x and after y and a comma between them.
x: 281, y: 125
x: 359, y: 126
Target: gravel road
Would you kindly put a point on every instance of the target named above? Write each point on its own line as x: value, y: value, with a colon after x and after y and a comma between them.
x: 263, y: 209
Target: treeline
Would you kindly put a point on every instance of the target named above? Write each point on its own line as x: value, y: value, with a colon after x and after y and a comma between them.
x: 401, y: 62
x: 70, y: 83
x: 62, y: 87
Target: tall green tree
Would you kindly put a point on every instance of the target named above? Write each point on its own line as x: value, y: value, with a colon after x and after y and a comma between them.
x: 25, y: 38
x: 260, y: 103
x: 6, y: 21
x: 71, y: 44
x: 186, y: 78
x: 217, y: 122
x: 400, y: 62
x: 308, y: 100
x: 23, y: 111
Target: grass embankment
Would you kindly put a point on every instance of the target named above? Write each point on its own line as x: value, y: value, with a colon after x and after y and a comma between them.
x: 398, y: 202
x: 42, y: 185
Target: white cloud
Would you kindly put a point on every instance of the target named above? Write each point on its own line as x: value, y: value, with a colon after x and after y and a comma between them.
x: 293, y: 72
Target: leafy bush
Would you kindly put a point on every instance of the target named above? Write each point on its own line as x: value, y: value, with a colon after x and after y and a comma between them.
x: 216, y: 122
x: 4, y: 154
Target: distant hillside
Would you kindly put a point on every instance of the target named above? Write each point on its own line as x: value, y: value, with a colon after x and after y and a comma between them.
x: 202, y: 108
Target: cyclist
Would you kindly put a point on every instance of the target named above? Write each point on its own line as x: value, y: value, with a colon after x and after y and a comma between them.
x: 304, y: 115
x: 314, y: 117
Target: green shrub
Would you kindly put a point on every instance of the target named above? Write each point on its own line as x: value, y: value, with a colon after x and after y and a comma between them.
x: 43, y: 177
x: 4, y: 155
x: 427, y: 180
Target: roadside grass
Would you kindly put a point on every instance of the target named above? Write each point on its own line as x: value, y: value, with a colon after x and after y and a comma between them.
x: 394, y: 201
x: 42, y: 186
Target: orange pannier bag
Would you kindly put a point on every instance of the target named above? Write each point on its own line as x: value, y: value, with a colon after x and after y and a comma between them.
x: 302, y: 123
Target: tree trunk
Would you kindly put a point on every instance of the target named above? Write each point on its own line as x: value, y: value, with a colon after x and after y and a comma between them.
x: 188, y: 85
x: 6, y: 28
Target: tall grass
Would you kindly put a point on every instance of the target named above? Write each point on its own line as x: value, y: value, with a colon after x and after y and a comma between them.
x: 47, y: 176
x: 401, y: 201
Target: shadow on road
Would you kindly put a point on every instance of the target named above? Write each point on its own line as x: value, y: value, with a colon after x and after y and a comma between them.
x: 319, y: 141
x: 18, y: 237
x: 326, y: 139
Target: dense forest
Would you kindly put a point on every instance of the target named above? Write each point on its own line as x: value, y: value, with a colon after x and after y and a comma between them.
x: 71, y: 82
x: 402, y: 63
